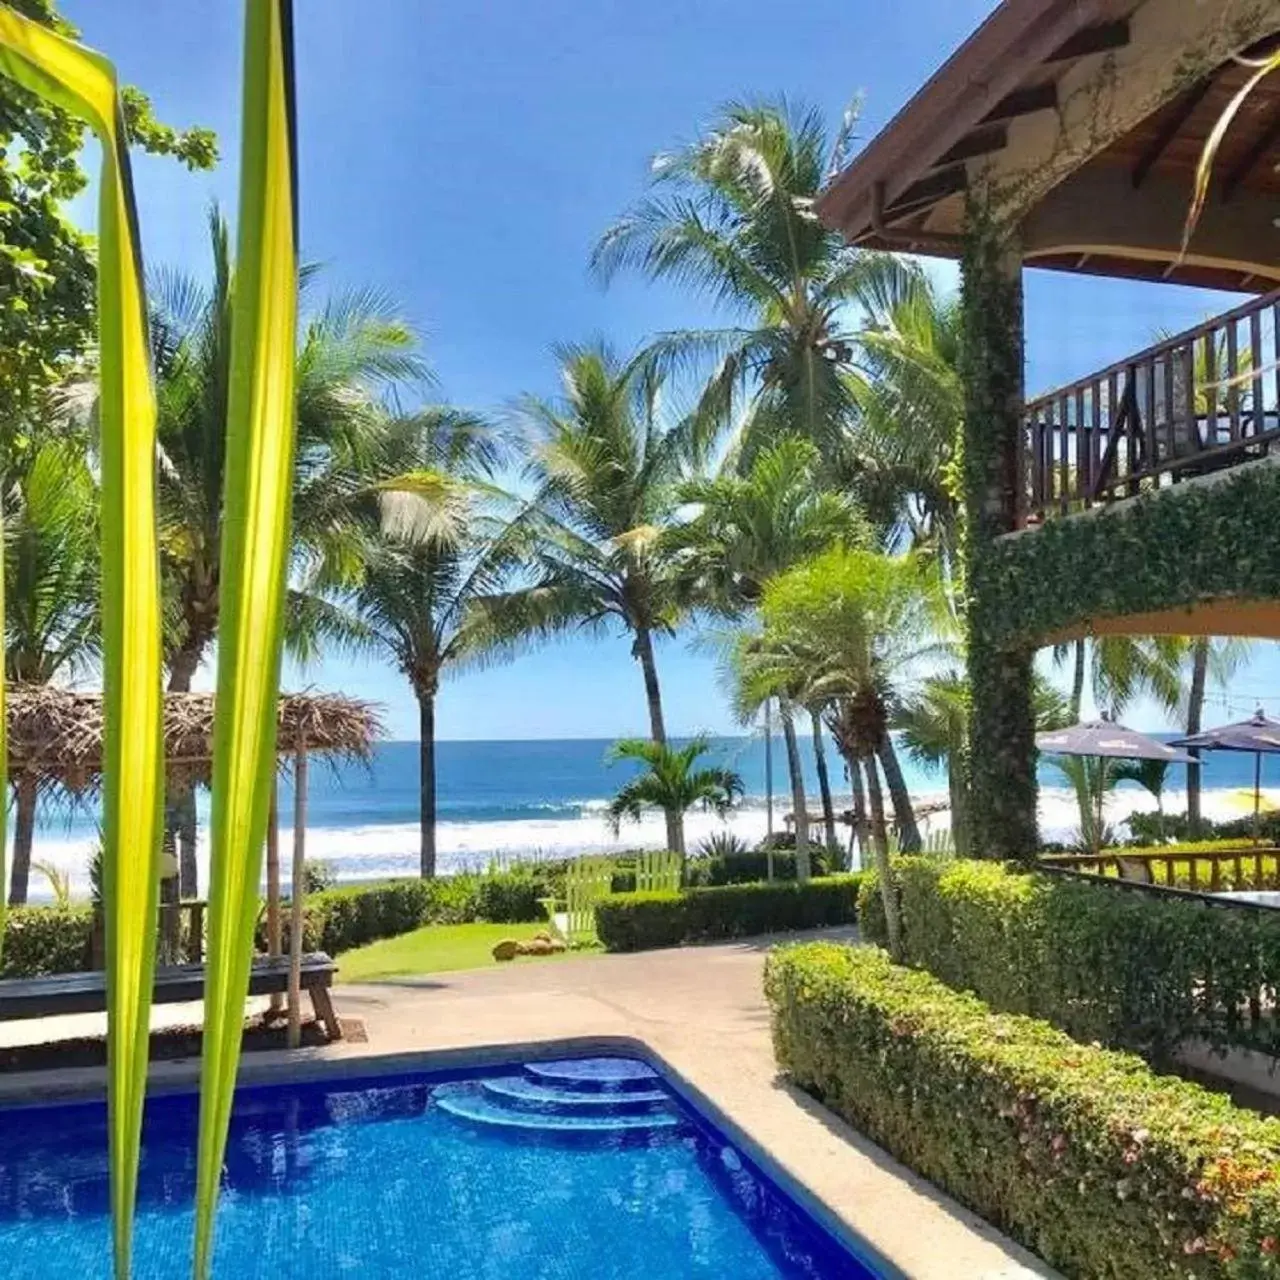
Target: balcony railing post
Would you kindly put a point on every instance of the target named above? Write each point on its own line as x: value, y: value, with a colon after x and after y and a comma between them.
x: 1136, y: 425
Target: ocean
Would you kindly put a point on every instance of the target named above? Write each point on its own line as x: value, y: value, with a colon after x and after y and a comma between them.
x: 501, y: 800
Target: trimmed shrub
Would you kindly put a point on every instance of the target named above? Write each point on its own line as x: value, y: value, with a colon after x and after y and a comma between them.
x: 640, y: 921
x: 44, y: 940
x: 509, y: 897
x: 340, y: 919
x: 1133, y: 970
x: 751, y: 868
x: 1085, y: 1155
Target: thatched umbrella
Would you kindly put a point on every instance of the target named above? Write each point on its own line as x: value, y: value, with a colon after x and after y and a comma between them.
x: 56, y: 737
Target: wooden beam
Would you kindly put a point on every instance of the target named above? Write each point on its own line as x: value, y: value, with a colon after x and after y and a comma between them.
x: 1099, y: 39
x: 1024, y: 102
x: 928, y: 191
x: 1178, y: 116
x: 1251, y: 158
x: 981, y: 142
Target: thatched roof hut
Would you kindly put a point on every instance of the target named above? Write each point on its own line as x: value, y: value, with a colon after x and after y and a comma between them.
x: 57, y: 734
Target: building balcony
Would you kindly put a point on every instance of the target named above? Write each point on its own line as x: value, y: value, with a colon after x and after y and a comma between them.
x: 1196, y: 404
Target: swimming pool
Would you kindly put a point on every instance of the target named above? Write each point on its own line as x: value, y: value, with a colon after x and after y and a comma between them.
x: 576, y: 1169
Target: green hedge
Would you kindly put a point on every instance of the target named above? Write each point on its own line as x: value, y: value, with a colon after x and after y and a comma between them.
x: 640, y: 921
x: 43, y: 940
x: 340, y: 919
x: 751, y: 868
x: 1085, y: 1155
x: 1129, y: 969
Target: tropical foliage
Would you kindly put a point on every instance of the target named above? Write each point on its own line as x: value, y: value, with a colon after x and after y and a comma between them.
x: 730, y: 217
x: 852, y: 631
x: 430, y: 559
x: 605, y: 466
x: 673, y: 780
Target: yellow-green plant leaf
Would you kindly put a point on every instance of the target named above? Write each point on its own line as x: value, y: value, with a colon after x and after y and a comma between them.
x: 84, y: 83
x: 4, y: 766
x: 1209, y: 153
x: 254, y: 559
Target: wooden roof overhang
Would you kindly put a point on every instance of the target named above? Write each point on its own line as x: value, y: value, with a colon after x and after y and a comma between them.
x: 1083, y: 121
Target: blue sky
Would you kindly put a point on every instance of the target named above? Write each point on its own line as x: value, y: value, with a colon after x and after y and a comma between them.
x: 464, y: 156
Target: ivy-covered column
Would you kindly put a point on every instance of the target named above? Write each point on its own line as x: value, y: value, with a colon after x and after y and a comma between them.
x: 1001, y: 762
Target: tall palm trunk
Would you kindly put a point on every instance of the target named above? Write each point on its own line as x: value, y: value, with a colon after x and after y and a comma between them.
x: 799, y: 803
x: 904, y: 814
x: 861, y: 830
x: 1077, y: 681
x: 427, y: 781
x: 880, y: 839
x: 824, y: 781
x: 958, y: 793
x: 180, y: 822
x: 1195, y: 709
x: 643, y: 650
x: 24, y: 827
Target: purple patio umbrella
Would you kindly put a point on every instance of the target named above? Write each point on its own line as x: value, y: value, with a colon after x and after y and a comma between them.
x: 1107, y: 740
x: 1257, y: 735
x: 1110, y: 740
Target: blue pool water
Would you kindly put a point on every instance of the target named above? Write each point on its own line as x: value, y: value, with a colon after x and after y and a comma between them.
x: 583, y: 1169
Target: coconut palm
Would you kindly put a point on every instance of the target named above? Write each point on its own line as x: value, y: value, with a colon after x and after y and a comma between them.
x: 753, y: 680
x: 934, y: 727
x: 605, y: 470
x: 730, y: 216
x: 427, y: 560
x: 351, y: 353
x: 673, y: 781
x: 52, y: 626
x: 748, y: 528
x: 901, y: 456
x: 852, y: 630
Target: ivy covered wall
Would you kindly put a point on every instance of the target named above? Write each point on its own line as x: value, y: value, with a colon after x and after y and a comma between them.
x: 1001, y: 755
x: 1213, y: 538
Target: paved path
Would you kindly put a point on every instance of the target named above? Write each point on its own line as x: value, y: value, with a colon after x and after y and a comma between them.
x: 701, y: 1011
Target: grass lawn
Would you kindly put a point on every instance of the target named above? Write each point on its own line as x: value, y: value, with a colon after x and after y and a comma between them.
x: 436, y: 948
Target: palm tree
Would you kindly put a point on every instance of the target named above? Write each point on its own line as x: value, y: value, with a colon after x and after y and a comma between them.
x: 747, y: 529
x: 52, y: 625
x: 731, y: 217
x: 606, y: 472
x: 901, y: 458
x: 351, y: 353
x: 753, y: 681
x: 851, y: 629
x: 428, y: 560
x: 1209, y: 659
x: 671, y: 781
x: 934, y: 725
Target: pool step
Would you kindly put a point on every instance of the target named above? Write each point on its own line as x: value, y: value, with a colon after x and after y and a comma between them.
x: 528, y: 1095
x: 470, y: 1102
x: 598, y: 1075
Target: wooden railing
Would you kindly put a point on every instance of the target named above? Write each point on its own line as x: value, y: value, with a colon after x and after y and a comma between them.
x: 1246, y: 867
x: 1203, y: 401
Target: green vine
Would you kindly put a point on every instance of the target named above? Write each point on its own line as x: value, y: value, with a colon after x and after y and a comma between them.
x: 1197, y: 542
x: 1001, y: 753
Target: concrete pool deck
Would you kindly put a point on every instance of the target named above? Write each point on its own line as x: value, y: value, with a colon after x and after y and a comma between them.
x: 700, y: 1012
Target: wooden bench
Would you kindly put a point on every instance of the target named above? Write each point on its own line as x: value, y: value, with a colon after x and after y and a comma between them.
x: 62, y: 993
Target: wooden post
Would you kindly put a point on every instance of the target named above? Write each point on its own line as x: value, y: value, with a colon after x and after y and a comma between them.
x: 296, y: 894
x: 273, y: 888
